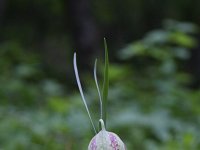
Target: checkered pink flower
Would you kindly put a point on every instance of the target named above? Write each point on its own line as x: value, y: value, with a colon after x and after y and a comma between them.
x: 105, y: 140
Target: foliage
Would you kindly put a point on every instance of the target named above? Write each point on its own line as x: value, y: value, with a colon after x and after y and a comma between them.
x: 24, y: 81
x: 158, y: 104
x: 105, y: 83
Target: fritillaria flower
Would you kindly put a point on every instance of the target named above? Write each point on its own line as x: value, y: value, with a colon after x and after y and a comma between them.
x: 103, y: 140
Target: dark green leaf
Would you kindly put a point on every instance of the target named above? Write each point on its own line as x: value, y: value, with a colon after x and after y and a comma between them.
x: 105, y: 82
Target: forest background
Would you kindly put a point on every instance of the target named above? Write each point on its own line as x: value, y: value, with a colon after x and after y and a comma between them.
x: 154, y: 51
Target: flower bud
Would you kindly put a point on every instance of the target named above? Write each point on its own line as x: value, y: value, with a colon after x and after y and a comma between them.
x: 105, y: 140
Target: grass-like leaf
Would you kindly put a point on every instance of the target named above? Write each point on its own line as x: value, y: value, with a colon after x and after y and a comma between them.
x: 97, y: 85
x: 105, y: 82
x: 81, y: 91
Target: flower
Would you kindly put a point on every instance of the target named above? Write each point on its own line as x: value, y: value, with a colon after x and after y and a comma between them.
x: 105, y: 140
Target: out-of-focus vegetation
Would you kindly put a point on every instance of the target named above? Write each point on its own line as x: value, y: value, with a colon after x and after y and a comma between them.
x: 151, y: 105
x: 154, y: 95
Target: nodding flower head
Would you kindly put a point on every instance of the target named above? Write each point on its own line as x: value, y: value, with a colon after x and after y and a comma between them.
x: 105, y: 140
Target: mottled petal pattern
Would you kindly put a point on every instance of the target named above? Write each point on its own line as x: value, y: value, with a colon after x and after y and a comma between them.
x: 105, y: 140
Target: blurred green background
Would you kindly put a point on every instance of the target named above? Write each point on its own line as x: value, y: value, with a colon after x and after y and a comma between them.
x: 154, y: 50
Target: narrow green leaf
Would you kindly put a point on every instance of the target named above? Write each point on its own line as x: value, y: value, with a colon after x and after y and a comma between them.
x: 105, y: 82
x: 81, y: 91
x: 97, y: 85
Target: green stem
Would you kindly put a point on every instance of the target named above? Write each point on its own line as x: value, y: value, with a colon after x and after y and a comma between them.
x: 102, y: 124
